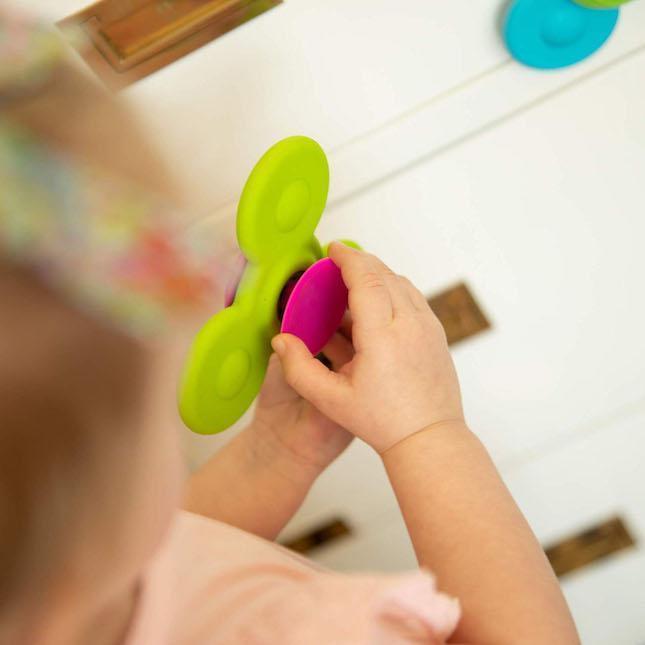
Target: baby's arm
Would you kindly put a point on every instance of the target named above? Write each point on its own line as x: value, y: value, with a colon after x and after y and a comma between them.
x: 253, y: 483
x: 466, y: 528
x: 258, y: 481
x: 400, y: 394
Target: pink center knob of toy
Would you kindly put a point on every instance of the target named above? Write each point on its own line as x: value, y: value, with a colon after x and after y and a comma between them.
x: 315, y: 306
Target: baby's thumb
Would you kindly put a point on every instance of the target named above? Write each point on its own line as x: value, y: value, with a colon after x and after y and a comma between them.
x: 306, y: 374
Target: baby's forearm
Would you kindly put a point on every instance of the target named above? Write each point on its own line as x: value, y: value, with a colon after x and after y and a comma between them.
x: 466, y: 528
x: 251, y: 483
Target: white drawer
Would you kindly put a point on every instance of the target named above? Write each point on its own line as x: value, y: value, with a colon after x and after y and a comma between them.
x: 379, y: 84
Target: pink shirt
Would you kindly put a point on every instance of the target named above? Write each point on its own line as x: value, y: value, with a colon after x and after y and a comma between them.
x: 212, y: 583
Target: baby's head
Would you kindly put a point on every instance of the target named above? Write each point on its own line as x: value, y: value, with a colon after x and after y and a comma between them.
x: 89, y: 471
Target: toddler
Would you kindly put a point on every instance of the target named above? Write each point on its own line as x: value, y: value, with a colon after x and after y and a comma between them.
x: 97, y: 300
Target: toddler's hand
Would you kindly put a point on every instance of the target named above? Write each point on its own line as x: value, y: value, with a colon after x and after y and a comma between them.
x: 305, y: 436
x: 401, y: 379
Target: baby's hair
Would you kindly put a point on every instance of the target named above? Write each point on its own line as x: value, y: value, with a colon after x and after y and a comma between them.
x: 69, y: 388
x: 72, y: 112
x: 69, y: 383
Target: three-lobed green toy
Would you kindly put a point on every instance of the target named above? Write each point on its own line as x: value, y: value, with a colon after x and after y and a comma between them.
x: 278, y: 212
x: 602, y: 4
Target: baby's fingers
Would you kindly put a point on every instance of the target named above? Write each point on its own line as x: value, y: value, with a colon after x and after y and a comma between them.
x: 339, y: 351
x: 369, y: 297
x: 275, y: 389
x: 346, y: 326
x: 325, y: 389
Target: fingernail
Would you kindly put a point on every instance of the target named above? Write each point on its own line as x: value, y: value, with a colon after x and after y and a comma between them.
x: 278, y: 345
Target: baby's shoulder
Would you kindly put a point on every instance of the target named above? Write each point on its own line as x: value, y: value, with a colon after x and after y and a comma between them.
x: 215, y: 583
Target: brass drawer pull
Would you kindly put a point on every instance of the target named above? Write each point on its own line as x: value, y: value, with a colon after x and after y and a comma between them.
x: 128, y: 39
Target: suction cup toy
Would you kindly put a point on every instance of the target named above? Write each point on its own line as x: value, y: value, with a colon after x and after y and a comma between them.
x: 284, y: 273
x: 549, y: 34
x: 316, y: 305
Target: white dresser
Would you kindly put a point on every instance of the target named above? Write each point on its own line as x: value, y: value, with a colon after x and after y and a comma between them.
x: 454, y: 163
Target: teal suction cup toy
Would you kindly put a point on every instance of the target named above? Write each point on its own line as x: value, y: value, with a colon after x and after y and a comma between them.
x: 549, y: 34
x: 281, y: 204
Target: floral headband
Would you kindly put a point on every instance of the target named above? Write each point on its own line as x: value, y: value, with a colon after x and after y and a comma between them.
x: 113, y: 248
